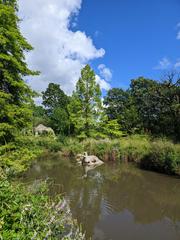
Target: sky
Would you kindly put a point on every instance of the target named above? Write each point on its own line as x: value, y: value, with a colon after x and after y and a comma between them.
x: 120, y: 39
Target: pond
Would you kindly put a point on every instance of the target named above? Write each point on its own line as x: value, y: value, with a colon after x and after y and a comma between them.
x: 114, y: 201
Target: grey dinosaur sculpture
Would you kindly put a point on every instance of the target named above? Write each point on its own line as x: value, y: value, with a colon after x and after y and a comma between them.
x: 41, y: 129
x: 88, y: 160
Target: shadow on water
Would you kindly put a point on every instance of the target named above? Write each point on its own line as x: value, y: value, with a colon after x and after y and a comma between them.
x: 115, y: 201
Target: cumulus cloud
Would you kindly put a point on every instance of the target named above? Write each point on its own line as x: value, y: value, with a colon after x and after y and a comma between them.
x: 102, y: 82
x: 59, y: 52
x: 105, y: 72
x: 163, y: 64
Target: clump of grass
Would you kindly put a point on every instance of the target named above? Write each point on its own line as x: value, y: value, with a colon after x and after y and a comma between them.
x: 71, y: 147
x: 164, y: 156
x: 134, y: 148
x: 158, y: 155
x: 107, y: 150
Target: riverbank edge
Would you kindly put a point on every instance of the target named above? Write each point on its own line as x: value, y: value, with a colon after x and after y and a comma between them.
x: 27, y: 212
x: 159, y: 155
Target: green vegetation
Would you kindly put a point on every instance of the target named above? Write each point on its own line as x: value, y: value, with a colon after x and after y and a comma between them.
x: 85, y: 106
x: 152, y: 154
x: 148, y: 106
x: 15, y: 95
x: 82, y: 122
x: 27, y: 213
x: 32, y: 215
x: 23, y: 214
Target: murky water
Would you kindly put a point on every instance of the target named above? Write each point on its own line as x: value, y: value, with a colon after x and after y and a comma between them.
x: 115, y: 202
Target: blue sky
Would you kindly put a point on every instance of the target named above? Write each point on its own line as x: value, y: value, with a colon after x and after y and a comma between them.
x: 121, y: 39
x: 135, y: 34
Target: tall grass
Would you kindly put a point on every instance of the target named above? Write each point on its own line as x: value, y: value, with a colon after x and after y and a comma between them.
x: 159, y: 155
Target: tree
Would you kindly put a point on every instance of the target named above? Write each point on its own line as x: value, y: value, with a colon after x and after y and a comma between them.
x: 39, y: 115
x: 54, y: 97
x: 169, y: 93
x: 85, y: 106
x: 111, y: 128
x: 120, y: 106
x: 59, y: 121
x: 158, y: 104
x: 15, y: 95
x: 115, y: 102
x: 147, y: 101
x: 55, y: 102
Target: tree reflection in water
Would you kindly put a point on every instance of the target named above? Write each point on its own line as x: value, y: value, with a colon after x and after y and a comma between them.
x: 116, y: 201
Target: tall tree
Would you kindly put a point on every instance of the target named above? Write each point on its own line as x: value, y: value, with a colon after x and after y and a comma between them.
x: 15, y: 95
x: 116, y: 101
x: 145, y: 94
x: 54, y: 97
x: 55, y: 102
x: 120, y: 106
x: 85, y: 106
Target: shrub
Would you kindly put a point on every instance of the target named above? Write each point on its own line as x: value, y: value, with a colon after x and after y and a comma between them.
x: 72, y: 146
x: 163, y: 156
x: 26, y: 215
x: 134, y: 148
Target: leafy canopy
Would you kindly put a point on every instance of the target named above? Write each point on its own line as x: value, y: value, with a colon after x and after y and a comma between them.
x: 15, y: 95
x: 85, y: 106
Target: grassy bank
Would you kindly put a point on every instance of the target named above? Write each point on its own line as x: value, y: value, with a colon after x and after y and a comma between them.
x: 160, y: 155
x: 28, y: 212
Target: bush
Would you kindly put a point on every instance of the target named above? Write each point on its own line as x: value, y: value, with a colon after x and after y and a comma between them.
x: 163, y: 156
x: 26, y: 215
x: 72, y: 146
x: 134, y: 148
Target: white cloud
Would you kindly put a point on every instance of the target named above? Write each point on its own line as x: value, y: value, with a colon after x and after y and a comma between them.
x: 177, y: 64
x: 163, y: 64
x: 105, y: 72
x: 59, y: 53
x: 102, y: 82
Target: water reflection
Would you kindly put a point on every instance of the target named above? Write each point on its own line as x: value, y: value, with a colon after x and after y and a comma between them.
x: 115, y: 202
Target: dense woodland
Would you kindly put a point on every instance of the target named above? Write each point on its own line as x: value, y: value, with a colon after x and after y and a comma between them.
x: 148, y: 108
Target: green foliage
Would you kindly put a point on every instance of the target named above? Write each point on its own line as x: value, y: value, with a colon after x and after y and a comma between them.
x: 159, y: 155
x: 39, y: 116
x: 116, y: 102
x: 71, y: 147
x: 120, y: 106
x: 32, y: 215
x: 147, y: 106
x: 55, y: 102
x: 163, y: 157
x: 158, y: 104
x: 54, y: 97
x: 15, y: 95
x: 16, y: 157
x: 111, y: 129
x: 59, y: 121
x: 85, y: 106
x: 49, y: 143
x: 133, y: 148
